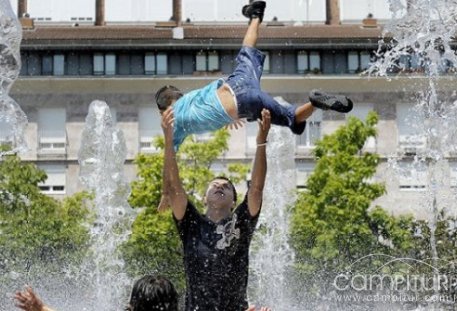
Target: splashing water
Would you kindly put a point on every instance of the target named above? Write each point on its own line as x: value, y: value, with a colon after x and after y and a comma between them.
x: 271, y: 256
x: 13, y: 120
x: 421, y: 31
x: 101, y: 159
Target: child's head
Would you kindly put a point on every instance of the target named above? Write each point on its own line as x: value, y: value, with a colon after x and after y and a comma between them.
x: 166, y: 96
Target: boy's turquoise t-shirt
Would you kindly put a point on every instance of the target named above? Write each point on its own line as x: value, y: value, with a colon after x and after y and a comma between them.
x: 198, y: 112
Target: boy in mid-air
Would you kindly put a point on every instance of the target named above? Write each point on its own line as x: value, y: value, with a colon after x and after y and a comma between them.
x: 226, y: 101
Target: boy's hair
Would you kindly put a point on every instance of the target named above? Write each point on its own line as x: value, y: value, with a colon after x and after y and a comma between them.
x: 166, y: 95
x: 230, y: 182
x: 153, y: 293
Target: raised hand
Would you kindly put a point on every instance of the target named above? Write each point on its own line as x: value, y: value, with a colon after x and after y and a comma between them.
x: 264, y: 127
x: 167, y: 123
x: 236, y: 124
x: 27, y: 300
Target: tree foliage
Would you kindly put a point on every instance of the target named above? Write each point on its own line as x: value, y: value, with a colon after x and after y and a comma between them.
x: 334, y: 223
x: 36, y: 229
x: 154, y: 244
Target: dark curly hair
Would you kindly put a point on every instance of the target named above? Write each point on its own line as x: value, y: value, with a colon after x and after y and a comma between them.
x: 166, y: 95
x: 153, y: 293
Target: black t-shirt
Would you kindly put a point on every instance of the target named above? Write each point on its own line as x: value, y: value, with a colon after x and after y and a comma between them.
x: 216, y: 259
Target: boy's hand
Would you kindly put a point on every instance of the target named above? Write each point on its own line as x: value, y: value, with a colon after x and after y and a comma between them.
x: 236, y: 124
x: 264, y: 127
x: 167, y: 123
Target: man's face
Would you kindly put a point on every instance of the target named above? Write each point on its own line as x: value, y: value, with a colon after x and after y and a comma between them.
x: 219, y: 194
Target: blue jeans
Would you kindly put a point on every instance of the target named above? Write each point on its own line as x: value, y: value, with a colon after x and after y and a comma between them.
x: 245, y: 82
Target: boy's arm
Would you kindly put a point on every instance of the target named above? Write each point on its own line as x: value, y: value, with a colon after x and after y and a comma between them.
x: 172, y: 189
x: 259, y: 169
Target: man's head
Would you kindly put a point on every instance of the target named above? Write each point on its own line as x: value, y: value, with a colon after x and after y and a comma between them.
x: 153, y: 293
x: 166, y: 96
x: 221, y: 193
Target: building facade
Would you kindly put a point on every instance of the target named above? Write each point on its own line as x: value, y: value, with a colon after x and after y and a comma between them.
x: 67, y: 66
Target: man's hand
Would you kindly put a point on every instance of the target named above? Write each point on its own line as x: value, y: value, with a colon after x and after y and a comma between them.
x: 236, y: 124
x: 164, y: 203
x: 167, y: 123
x: 264, y: 127
x: 27, y: 300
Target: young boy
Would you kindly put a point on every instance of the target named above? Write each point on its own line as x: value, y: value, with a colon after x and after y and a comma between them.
x: 224, y: 102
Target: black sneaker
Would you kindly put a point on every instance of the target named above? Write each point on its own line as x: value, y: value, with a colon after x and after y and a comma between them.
x: 326, y: 101
x: 254, y: 10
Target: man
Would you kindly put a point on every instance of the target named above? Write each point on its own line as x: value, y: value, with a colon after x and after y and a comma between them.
x: 216, y: 245
x: 148, y: 293
x: 226, y: 101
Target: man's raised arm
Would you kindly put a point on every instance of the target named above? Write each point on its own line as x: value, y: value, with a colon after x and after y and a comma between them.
x: 172, y: 190
x: 259, y: 169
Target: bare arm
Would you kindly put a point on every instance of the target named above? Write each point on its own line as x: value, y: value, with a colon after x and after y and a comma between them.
x: 259, y: 170
x: 173, y: 191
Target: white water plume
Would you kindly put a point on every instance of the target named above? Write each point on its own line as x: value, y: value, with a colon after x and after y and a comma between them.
x: 13, y: 120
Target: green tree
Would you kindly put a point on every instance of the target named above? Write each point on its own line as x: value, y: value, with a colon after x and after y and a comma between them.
x: 332, y: 223
x: 154, y: 244
x: 35, y: 229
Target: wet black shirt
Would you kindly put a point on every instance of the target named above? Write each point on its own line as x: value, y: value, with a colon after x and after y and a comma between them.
x: 216, y: 259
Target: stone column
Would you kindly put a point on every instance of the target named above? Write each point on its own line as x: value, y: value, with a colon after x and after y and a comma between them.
x: 100, y: 13
x: 177, y: 12
x: 333, y: 12
x: 21, y: 8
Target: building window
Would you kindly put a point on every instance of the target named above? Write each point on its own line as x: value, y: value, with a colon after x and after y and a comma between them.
x: 411, y: 138
x: 99, y: 64
x: 155, y: 64
x: 353, y: 62
x: 453, y: 174
x: 110, y: 64
x: 149, y: 128
x: 204, y: 137
x: 56, y: 181
x: 302, y: 62
x: 207, y: 61
x: 365, y: 60
x: 52, y: 138
x: 266, y: 63
x: 312, y: 131
x: 315, y: 62
x: 59, y: 65
x: 200, y: 61
x: 358, y: 61
x: 412, y: 177
x: 150, y: 64
x: 302, y: 172
x: 213, y: 61
x: 162, y: 64
x: 251, y: 136
x: 46, y: 65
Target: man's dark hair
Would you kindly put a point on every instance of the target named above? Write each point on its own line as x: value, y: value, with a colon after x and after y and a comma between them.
x: 230, y: 182
x: 153, y: 293
x: 166, y: 95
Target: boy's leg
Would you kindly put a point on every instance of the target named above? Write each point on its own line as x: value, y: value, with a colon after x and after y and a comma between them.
x: 254, y: 11
x: 250, y: 38
x: 303, y: 112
